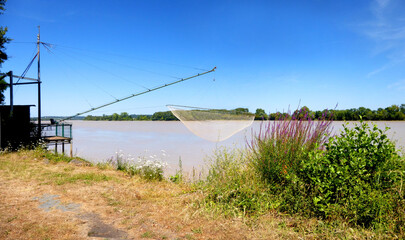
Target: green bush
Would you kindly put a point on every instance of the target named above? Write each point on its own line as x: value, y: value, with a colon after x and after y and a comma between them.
x: 358, y: 177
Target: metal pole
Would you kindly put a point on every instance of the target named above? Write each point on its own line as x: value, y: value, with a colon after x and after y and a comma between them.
x: 11, y: 93
x: 39, y: 83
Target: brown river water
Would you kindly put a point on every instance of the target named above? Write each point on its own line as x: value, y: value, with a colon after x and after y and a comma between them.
x: 98, y: 141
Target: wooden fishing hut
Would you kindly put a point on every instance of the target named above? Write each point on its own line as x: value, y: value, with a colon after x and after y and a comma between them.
x: 15, y: 126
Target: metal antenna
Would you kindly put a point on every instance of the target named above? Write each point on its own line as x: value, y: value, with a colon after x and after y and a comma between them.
x: 137, y: 94
x: 39, y: 82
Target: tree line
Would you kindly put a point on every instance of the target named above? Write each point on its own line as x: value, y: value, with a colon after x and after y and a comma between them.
x: 124, y: 116
x: 393, y: 112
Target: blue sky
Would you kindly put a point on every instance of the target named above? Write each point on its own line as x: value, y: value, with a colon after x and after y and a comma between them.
x: 268, y: 54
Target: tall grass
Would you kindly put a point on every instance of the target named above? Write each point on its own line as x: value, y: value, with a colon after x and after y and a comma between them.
x: 233, y: 186
x: 279, y: 147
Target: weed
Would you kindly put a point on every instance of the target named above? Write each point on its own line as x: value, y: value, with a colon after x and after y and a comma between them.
x: 189, y: 236
x: 233, y: 186
x: 148, y: 234
x: 196, y: 230
x: 178, y: 177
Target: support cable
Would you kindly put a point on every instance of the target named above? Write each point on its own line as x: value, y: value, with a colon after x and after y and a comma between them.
x: 27, y: 68
x: 83, y: 77
x: 140, y: 59
x: 103, y: 70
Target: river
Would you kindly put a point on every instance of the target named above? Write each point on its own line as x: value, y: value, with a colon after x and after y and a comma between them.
x: 98, y: 141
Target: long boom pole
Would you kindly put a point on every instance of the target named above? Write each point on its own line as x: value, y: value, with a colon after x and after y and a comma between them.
x: 137, y: 94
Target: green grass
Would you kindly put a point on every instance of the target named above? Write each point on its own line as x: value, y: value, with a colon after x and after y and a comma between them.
x: 148, y: 234
x: 87, y: 178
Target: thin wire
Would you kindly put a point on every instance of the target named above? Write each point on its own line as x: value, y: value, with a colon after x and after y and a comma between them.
x: 27, y: 68
x: 82, y: 95
x: 141, y: 59
x: 101, y: 69
x: 81, y: 75
x: 129, y: 66
x: 21, y: 42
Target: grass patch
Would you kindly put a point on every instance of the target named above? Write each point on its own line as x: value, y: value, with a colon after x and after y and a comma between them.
x: 60, y: 178
x: 148, y: 234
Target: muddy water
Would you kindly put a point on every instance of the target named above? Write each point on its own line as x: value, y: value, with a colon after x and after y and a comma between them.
x: 98, y: 141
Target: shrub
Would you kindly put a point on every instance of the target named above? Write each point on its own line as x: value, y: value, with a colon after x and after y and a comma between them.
x: 359, y: 178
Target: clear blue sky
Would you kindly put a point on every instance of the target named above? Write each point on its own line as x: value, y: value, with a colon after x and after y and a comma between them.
x: 269, y: 54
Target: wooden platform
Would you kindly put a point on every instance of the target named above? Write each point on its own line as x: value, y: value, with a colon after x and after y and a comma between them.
x: 57, y: 139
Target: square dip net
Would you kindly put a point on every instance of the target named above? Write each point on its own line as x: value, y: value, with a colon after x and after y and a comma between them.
x: 212, y: 124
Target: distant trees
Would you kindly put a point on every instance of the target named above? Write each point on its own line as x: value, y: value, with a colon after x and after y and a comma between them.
x: 124, y: 116
x: 164, y: 116
x: 393, y: 112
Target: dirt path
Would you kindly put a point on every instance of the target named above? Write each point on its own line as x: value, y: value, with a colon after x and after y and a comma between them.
x: 42, y: 200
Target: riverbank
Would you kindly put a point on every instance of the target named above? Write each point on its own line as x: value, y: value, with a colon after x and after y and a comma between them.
x: 44, y: 196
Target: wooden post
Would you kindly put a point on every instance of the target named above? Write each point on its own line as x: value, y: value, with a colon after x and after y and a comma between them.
x: 56, y: 147
x: 71, y: 148
x: 63, y: 147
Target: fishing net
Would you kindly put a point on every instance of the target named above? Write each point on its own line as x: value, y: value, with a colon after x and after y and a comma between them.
x: 212, y: 124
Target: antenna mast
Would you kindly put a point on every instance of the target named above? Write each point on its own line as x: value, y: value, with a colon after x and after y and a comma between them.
x: 39, y: 82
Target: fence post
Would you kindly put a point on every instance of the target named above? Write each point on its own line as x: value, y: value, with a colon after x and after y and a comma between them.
x: 63, y: 129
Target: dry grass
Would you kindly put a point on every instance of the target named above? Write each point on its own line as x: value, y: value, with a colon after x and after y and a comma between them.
x: 144, y: 210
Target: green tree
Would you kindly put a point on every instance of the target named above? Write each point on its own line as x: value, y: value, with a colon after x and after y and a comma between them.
x: 3, y: 55
x: 124, y: 116
x: 395, y: 113
x: 261, y: 114
x: 115, y: 117
x: 241, y: 110
x: 164, y: 116
x: 303, y: 113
